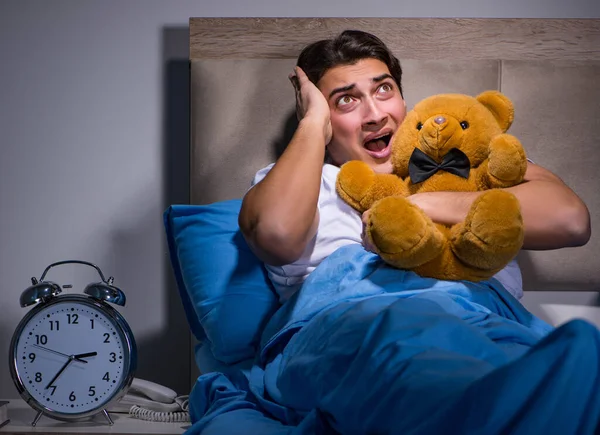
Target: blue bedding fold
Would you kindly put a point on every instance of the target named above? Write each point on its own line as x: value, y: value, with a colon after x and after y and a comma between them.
x: 365, y: 348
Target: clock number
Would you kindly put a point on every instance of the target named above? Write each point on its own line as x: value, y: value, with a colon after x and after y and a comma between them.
x: 92, y: 391
x: 106, y: 377
x: 53, y: 324
x: 53, y: 389
x: 38, y: 377
x: 41, y: 339
x: 72, y: 397
x: 73, y: 319
x: 92, y: 322
x: 31, y: 357
x: 113, y: 357
x: 106, y: 337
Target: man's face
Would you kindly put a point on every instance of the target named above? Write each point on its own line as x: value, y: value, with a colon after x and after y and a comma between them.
x: 366, y: 109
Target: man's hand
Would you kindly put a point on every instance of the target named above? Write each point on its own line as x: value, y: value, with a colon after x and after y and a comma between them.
x: 310, y: 102
x: 367, y: 244
x: 446, y: 208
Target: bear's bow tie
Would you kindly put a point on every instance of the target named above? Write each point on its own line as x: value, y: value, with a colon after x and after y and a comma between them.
x: 421, y: 166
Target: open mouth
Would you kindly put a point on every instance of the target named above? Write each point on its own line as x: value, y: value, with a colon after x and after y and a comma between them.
x: 379, y: 147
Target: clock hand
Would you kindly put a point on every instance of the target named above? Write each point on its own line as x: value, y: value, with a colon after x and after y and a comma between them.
x: 84, y: 355
x: 51, y: 350
x: 62, y: 369
x: 76, y: 357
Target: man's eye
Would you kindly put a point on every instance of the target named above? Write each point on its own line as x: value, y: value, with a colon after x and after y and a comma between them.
x: 385, y: 88
x: 346, y: 99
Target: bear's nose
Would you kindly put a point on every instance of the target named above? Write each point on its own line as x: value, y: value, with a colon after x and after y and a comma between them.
x: 439, y: 120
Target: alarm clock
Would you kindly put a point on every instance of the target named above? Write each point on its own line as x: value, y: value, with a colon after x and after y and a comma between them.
x: 71, y: 356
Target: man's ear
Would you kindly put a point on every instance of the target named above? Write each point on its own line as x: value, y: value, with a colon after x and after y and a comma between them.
x: 501, y: 107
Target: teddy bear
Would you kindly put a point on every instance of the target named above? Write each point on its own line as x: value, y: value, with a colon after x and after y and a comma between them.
x: 447, y: 142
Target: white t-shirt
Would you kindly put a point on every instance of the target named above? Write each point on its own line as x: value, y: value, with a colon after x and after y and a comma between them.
x: 340, y: 225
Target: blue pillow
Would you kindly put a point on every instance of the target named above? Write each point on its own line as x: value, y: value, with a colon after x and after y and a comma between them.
x: 224, y: 287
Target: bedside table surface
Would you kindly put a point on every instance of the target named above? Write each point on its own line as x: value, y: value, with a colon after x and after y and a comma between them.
x: 21, y: 415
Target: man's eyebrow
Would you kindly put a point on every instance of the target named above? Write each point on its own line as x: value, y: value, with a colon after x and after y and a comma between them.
x: 342, y: 89
x: 382, y: 77
x: 376, y: 79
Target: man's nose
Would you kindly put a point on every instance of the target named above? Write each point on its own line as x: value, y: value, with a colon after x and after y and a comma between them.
x: 374, y: 114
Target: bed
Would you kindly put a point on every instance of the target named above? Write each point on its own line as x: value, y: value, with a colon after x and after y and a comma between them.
x: 261, y: 371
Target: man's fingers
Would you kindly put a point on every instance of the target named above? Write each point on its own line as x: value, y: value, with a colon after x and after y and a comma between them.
x: 299, y: 110
x: 298, y: 78
x: 294, y: 79
x: 366, y: 242
x: 365, y: 217
x: 302, y: 77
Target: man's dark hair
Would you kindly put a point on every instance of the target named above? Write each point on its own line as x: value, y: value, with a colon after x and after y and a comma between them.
x: 347, y: 48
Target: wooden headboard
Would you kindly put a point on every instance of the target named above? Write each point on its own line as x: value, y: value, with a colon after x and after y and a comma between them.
x: 242, y: 104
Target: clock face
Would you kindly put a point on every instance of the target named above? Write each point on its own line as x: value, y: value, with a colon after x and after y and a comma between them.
x: 71, y: 356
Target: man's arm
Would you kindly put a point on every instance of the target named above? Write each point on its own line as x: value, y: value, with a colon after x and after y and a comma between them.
x: 279, y: 215
x: 553, y: 215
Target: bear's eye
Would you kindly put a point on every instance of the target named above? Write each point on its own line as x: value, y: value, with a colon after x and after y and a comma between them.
x: 419, y: 126
x: 464, y: 125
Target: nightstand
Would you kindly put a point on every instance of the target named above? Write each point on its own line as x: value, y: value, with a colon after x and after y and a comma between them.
x: 21, y: 416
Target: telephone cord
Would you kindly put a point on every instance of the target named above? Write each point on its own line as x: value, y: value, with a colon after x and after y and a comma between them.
x: 165, y: 417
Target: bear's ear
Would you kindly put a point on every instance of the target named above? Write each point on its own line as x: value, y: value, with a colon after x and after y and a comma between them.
x: 500, y: 106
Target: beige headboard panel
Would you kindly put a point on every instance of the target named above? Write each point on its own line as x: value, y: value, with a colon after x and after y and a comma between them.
x: 242, y: 105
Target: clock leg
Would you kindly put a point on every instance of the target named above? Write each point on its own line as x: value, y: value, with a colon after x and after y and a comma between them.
x: 36, y: 419
x: 110, y: 422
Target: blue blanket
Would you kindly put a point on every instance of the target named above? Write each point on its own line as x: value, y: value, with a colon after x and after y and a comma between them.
x: 367, y: 349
